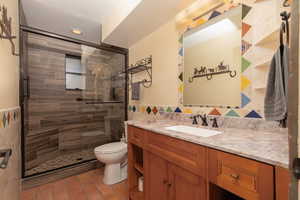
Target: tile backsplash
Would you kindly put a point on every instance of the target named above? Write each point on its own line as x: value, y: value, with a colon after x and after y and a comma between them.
x: 9, y: 116
x: 221, y: 111
x: 250, y: 121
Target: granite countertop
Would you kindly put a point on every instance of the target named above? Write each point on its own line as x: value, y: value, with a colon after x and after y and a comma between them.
x: 267, y: 147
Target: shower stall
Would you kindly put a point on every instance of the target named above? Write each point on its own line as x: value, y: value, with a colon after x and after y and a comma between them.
x: 73, y: 100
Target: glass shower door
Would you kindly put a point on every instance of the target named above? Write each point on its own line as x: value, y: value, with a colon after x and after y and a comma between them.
x: 75, y: 101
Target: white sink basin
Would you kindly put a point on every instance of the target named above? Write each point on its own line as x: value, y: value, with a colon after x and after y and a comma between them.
x: 194, y: 131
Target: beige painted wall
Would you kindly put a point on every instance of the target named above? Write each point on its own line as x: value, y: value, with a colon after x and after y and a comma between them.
x: 163, y: 46
x: 9, y: 65
x: 120, y: 10
x: 9, y: 99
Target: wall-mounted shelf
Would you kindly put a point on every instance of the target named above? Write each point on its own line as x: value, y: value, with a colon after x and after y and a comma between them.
x: 136, y: 195
x: 138, y: 69
x: 263, y: 64
x: 260, y: 87
x: 143, y: 65
x: 139, y: 168
x: 269, y: 40
x: 257, y: 1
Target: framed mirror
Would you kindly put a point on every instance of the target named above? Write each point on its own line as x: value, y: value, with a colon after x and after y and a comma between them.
x: 212, y: 62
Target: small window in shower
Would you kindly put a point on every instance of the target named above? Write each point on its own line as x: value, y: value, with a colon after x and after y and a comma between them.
x: 75, y: 73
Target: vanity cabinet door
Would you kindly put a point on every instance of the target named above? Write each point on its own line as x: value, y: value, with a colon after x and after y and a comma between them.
x: 156, y: 177
x: 184, y: 185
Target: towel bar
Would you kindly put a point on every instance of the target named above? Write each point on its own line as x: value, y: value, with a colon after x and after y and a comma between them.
x: 6, y: 153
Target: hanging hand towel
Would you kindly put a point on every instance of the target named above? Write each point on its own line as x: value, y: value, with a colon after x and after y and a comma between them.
x: 135, y: 89
x: 277, y: 86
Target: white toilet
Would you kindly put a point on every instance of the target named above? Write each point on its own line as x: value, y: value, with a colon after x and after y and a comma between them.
x: 114, y: 156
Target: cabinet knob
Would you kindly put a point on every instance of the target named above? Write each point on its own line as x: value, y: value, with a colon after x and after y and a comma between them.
x: 165, y: 182
x: 235, y: 176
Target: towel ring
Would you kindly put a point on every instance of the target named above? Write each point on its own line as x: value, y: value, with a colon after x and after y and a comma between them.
x: 286, y: 3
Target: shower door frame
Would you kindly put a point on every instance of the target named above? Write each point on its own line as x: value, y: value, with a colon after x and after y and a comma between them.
x: 102, y: 46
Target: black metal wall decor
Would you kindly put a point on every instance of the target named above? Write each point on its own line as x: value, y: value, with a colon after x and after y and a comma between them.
x: 6, y: 29
x: 140, y: 66
x: 210, y: 72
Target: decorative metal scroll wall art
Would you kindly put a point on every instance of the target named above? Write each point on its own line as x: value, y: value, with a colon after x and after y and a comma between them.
x: 210, y: 72
x: 6, y: 29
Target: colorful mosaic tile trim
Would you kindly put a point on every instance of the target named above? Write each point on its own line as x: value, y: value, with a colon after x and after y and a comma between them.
x: 9, y: 116
x: 225, y: 112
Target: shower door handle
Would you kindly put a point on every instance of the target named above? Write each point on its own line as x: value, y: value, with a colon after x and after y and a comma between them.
x: 5, y: 154
x: 27, y: 87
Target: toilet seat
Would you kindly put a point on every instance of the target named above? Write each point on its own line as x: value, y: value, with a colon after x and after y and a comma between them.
x: 114, y: 147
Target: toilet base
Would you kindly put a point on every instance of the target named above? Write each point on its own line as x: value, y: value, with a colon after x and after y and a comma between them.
x: 113, y: 174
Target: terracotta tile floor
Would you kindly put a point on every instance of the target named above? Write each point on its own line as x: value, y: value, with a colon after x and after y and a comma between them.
x: 86, y: 186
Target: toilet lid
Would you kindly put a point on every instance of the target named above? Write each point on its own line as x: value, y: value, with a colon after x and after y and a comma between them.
x: 112, y: 147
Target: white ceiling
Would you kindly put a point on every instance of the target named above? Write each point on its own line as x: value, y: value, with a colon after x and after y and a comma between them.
x: 144, y: 19
x: 60, y: 16
x: 94, y: 10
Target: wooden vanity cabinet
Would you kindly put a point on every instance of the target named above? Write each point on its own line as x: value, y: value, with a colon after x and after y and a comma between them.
x: 174, y: 169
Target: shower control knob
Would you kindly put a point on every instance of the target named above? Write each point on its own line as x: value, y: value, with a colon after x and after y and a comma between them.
x: 296, y: 168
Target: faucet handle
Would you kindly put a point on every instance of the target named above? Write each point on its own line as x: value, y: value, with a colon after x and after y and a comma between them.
x: 215, y: 123
x: 204, y: 119
x: 194, y: 118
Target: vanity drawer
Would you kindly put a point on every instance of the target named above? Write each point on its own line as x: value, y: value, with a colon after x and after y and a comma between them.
x: 246, y: 178
x: 136, y: 136
x: 184, y: 154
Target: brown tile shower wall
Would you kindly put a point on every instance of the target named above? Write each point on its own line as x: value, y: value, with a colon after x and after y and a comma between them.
x: 55, y: 122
